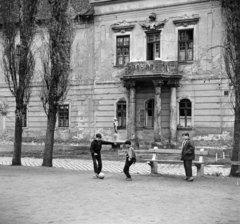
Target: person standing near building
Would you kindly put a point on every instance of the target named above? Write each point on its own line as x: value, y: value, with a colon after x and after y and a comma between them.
x: 188, y: 155
x: 130, y: 159
x: 95, y: 148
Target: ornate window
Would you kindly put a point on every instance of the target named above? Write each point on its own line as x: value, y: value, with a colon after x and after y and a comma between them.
x: 63, y: 115
x: 121, y: 113
x: 123, y: 50
x: 185, y: 45
x: 185, y: 113
x: 149, y: 113
x: 153, y: 46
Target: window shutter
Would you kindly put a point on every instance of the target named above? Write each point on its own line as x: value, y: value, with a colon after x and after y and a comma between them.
x: 142, y: 118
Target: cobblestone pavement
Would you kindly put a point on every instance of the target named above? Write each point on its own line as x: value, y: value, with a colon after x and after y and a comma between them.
x: 117, y: 166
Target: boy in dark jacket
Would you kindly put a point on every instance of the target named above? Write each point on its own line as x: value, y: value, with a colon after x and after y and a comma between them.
x: 188, y: 155
x: 95, y: 148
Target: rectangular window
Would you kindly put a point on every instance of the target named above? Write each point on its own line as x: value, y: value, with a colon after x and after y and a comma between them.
x: 121, y: 114
x: 185, y: 113
x: 123, y: 50
x: 24, y: 116
x: 185, y: 45
x: 150, y: 113
x: 153, y: 46
x: 63, y: 116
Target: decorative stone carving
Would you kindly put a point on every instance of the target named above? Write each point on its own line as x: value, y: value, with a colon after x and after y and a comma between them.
x: 152, y: 26
x: 122, y: 27
x: 152, y: 16
x: 3, y: 108
x: 151, y: 68
x: 186, y: 21
x: 129, y: 84
x: 173, y: 83
x: 158, y: 82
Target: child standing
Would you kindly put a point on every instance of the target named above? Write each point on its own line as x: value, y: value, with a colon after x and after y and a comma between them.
x: 95, y: 149
x: 188, y: 155
x: 130, y: 159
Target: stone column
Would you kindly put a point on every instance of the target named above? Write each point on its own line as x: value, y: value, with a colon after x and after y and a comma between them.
x: 173, y: 111
x: 157, y: 110
x: 131, y: 123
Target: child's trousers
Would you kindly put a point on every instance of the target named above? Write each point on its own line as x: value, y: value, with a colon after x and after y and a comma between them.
x: 188, y: 167
x: 126, y: 167
x: 97, y: 163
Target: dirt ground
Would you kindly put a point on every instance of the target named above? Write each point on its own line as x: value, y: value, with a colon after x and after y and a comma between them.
x: 39, y: 195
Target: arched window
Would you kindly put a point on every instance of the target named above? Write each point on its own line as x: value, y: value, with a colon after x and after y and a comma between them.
x: 150, y: 113
x: 121, y: 113
x: 185, y: 113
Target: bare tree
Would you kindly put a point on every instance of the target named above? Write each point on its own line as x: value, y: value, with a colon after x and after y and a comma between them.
x: 18, y: 17
x: 56, y: 68
x: 231, y: 52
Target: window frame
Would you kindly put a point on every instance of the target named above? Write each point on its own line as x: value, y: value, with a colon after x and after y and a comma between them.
x: 123, y: 46
x: 58, y: 116
x: 146, y: 113
x: 186, y: 41
x: 147, y: 44
x: 120, y: 124
x: 179, y: 126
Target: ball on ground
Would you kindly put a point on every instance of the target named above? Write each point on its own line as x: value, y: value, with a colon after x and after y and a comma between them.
x: 101, y: 175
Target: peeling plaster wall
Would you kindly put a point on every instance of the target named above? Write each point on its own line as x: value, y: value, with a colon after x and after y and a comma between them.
x: 80, y: 95
x: 204, y: 80
x: 96, y: 85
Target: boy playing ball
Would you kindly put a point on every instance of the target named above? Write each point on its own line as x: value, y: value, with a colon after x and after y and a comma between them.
x: 130, y: 159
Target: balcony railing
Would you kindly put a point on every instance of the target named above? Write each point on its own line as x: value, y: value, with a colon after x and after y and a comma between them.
x: 157, y: 67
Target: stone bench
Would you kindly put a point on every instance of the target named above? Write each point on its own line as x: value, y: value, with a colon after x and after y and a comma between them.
x: 155, y: 154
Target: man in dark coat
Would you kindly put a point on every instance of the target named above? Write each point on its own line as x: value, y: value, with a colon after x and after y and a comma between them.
x: 188, y: 155
x: 95, y: 148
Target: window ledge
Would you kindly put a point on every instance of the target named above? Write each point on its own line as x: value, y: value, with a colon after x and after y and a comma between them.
x: 184, y: 128
x: 185, y: 62
x: 118, y: 66
x: 61, y: 128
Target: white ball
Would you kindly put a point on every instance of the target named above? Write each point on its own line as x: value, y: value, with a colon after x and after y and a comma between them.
x: 101, y: 175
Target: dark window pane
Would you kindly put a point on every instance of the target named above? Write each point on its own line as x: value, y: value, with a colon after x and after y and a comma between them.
x: 185, y: 45
x: 123, y: 50
x: 182, y: 112
x: 121, y: 113
x: 63, y: 116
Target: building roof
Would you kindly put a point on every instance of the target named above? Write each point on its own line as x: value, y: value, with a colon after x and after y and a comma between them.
x: 76, y: 7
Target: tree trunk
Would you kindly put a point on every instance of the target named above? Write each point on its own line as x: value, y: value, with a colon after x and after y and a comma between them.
x: 16, y: 160
x: 49, y: 141
x: 236, y: 144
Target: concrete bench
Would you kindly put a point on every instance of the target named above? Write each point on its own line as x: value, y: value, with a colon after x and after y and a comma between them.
x: 155, y: 154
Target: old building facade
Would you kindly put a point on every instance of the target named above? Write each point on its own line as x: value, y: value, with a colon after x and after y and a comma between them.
x: 155, y: 65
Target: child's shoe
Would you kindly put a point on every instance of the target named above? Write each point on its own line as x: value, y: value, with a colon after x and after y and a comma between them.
x: 128, y: 179
x: 190, y: 179
x: 95, y: 176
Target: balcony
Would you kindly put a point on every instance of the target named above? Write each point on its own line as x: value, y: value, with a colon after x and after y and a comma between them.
x: 151, y: 69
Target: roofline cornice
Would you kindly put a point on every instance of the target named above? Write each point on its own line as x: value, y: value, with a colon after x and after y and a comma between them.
x: 216, y: 3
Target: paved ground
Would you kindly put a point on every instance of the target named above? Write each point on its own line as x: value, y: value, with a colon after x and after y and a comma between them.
x: 117, y: 166
x: 40, y: 195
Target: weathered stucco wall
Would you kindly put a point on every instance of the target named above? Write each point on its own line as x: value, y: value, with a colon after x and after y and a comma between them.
x: 80, y: 95
x: 204, y: 80
x: 96, y: 85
